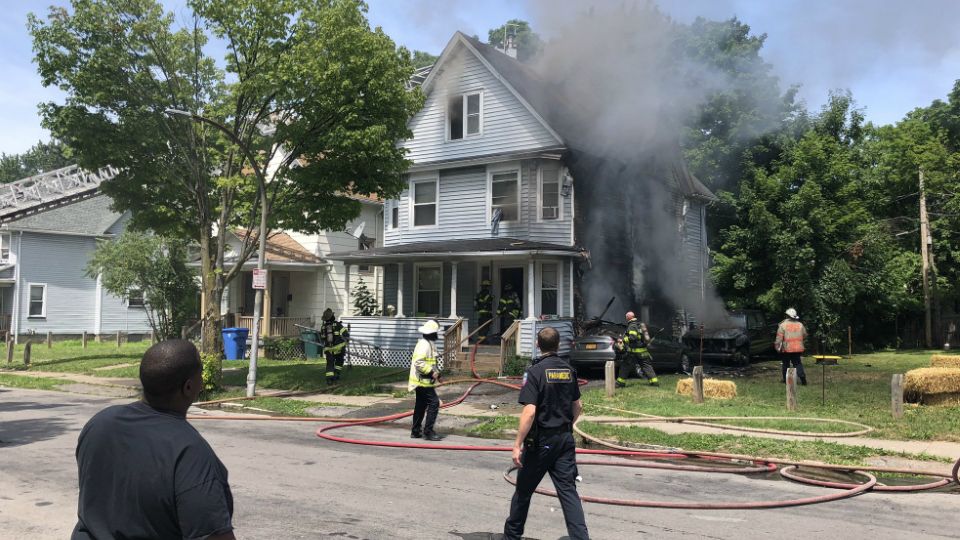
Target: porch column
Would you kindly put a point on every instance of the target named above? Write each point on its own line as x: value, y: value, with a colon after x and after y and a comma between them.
x: 265, y: 326
x: 453, y: 290
x: 531, y: 289
x: 399, y: 289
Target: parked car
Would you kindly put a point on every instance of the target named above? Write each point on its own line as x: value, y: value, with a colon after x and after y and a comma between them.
x: 748, y: 334
x: 595, y: 346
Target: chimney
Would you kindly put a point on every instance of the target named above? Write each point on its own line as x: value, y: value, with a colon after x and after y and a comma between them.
x: 509, y: 46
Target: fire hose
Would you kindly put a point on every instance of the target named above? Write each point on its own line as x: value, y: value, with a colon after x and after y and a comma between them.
x: 640, y: 458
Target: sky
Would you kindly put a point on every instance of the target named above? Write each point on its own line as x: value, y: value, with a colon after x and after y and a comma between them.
x: 892, y: 55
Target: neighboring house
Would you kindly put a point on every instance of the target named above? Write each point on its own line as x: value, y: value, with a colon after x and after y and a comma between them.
x: 491, y: 195
x: 50, y: 228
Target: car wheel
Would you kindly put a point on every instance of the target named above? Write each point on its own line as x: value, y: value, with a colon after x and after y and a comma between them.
x: 742, y: 357
x: 684, y: 366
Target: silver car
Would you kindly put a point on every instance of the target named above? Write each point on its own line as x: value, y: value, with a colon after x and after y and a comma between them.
x: 596, y: 346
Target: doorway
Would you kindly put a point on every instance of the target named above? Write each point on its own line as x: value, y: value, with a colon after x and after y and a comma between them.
x: 513, y: 277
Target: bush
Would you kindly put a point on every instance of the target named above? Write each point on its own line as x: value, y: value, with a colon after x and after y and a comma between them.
x: 283, y: 348
x: 515, y: 365
x: 212, y: 372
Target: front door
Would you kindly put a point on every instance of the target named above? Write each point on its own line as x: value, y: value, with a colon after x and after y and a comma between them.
x: 510, y: 279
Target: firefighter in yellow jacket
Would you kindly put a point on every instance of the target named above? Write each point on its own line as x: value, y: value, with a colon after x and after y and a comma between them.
x: 633, y: 346
x: 789, y: 344
x: 424, y: 376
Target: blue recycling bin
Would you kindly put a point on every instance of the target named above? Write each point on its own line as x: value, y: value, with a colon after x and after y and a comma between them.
x: 235, y: 343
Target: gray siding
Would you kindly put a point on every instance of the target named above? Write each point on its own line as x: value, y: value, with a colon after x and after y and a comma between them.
x: 507, y: 126
x: 462, y: 208
x: 528, y: 330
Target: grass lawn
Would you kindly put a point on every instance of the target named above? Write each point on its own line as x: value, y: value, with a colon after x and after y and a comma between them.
x: 858, y: 390
x: 311, y: 375
x: 35, y: 383
x: 71, y: 357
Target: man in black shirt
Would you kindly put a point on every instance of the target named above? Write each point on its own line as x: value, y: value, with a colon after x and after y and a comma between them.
x: 145, y: 472
x: 551, y: 403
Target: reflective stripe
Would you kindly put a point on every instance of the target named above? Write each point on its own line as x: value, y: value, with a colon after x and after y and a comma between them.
x: 790, y: 337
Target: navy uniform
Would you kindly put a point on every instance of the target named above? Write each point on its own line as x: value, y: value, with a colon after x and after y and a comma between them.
x: 550, y: 385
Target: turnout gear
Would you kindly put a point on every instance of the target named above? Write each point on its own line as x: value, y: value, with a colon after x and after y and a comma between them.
x: 509, y: 307
x: 334, y: 337
x: 483, y: 305
x: 789, y: 343
x: 633, y: 347
x: 423, y: 378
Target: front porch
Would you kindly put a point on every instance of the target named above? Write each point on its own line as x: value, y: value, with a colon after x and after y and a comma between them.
x: 288, y: 301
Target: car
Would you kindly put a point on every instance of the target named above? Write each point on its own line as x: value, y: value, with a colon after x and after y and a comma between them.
x: 746, y: 334
x: 595, y: 346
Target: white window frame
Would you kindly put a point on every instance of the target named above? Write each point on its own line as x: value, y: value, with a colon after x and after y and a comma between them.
x: 142, y: 297
x: 5, y: 240
x: 411, y: 201
x: 416, y: 286
x: 501, y: 169
x: 559, y: 289
x: 463, y: 104
x: 540, y: 218
x: 43, y: 303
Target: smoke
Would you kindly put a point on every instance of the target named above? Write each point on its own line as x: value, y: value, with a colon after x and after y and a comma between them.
x: 625, y: 92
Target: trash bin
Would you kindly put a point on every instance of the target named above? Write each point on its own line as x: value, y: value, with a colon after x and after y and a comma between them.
x: 310, y: 339
x: 235, y: 343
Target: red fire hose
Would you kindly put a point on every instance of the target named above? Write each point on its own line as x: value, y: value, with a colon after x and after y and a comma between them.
x: 756, y: 464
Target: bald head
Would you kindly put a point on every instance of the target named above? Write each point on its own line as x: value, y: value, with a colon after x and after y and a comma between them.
x: 548, y: 340
x: 166, y: 367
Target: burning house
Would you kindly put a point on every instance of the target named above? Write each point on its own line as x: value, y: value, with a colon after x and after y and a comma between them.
x: 504, y: 187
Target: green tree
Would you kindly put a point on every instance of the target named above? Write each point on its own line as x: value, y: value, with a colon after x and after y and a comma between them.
x: 41, y: 157
x: 364, y: 301
x: 423, y: 59
x: 308, y: 91
x: 527, y: 41
x: 153, y: 268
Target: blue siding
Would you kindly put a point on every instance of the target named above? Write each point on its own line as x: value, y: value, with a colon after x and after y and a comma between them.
x: 507, y: 125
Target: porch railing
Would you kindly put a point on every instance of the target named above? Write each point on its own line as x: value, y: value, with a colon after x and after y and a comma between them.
x: 509, y: 343
x: 279, y: 326
x: 451, y: 341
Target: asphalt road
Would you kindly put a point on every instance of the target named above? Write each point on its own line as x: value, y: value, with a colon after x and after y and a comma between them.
x: 289, y: 484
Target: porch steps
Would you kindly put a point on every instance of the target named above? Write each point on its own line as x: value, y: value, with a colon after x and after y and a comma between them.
x: 487, y: 361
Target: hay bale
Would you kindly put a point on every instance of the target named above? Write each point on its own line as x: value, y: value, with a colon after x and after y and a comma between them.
x: 712, y: 388
x: 945, y: 360
x: 932, y: 386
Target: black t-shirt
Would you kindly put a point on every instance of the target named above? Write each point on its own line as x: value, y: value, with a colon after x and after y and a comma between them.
x: 147, y: 473
x: 551, y: 385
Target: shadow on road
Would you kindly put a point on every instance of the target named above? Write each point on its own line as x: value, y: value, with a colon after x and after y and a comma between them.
x: 21, y: 432
x: 29, y: 406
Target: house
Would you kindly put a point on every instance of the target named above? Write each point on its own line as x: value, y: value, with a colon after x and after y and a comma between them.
x: 49, y: 228
x: 493, y: 193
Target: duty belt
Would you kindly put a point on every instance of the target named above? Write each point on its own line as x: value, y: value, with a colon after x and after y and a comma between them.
x: 546, y: 432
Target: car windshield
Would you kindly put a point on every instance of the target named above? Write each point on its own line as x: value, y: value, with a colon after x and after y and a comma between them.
x: 738, y: 320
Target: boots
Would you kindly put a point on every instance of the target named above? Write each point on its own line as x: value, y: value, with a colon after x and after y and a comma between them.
x: 654, y: 382
x: 621, y: 383
x: 433, y: 437
x: 416, y: 434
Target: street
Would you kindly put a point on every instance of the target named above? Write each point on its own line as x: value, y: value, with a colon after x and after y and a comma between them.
x: 287, y: 483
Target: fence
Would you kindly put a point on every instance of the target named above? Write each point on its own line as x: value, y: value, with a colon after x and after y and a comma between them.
x: 279, y: 326
x: 389, y: 341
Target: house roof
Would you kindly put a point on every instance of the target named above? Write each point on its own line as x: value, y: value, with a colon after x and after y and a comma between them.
x: 91, y: 216
x: 282, y: 248
x: 453, y: 248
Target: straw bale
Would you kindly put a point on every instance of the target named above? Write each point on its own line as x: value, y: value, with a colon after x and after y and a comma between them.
x: 712, y: 388
x: 932, y: 386
x: 945, y: 360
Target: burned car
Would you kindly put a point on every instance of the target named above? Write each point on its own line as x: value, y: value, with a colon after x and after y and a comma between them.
x: 746, y: 334
x: 596, y: 339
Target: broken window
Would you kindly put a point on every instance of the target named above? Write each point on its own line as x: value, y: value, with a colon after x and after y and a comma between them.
x: 505, y: 195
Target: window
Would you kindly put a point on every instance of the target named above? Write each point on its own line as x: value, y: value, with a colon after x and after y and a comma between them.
x: 135, y: 298
x: 505, y: 194
x: 464, y: 115
x: 549, y: 195
x: 549, y: 289
x: 425, y: 203
x: 395, y: 215
x: 38, y: 300
x: 429, y: 280
x: 4, y: 247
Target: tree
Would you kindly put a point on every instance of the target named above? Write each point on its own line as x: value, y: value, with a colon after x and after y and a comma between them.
x: 154, y: 269
x: 308, y: 91
x: 527, y: 41
x: 41, y: 157
x: 364, y: 302
x: 423, y: 59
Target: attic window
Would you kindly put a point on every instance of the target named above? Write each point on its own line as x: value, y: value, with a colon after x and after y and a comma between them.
x: 464, y: 115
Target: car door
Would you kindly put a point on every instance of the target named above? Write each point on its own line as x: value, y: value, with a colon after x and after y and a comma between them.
x: 664, y: 350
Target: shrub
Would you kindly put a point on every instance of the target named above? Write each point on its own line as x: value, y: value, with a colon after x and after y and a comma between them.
x: 212, y: 372
x: 515, y: 365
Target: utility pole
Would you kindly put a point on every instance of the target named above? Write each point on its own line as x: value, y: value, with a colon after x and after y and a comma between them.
x: 925, y: 256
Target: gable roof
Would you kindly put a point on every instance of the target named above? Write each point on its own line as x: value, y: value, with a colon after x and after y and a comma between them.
x: 91, y: 216
x: 281, y: 247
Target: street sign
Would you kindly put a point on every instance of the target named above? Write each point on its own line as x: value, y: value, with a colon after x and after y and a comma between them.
x: 259, y: 278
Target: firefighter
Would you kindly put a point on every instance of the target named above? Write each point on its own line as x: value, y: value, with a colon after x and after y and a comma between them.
x: 483, y: 305
x: 633, y: 347
x: 509, y: 308
x: 334, y: 337
x: 550, y: 396
x: 790, y: 336
x: 424, y: 376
